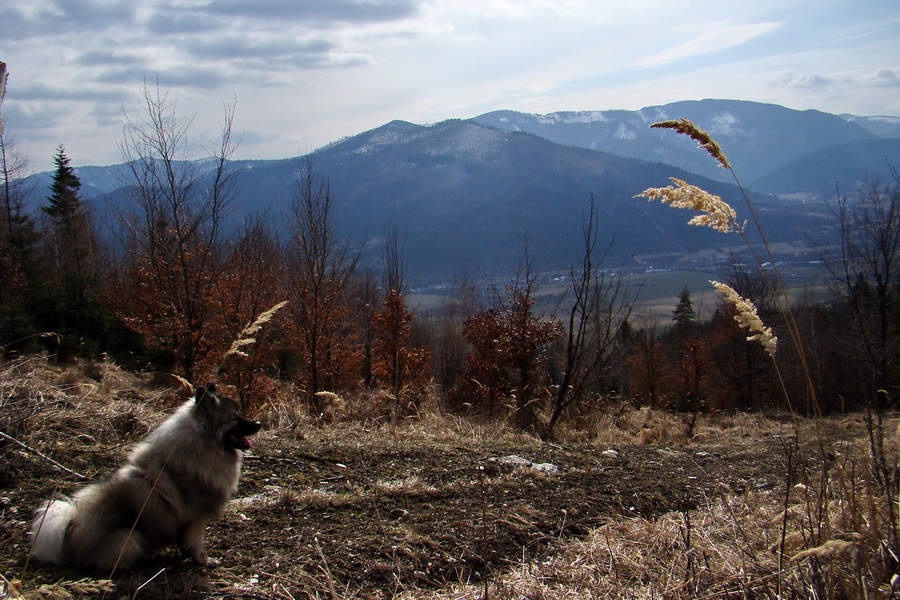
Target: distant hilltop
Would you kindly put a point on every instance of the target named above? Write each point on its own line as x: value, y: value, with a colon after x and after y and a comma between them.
x: 466, y: 193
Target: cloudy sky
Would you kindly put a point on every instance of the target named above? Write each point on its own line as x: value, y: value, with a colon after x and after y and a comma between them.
x: 304, y: 73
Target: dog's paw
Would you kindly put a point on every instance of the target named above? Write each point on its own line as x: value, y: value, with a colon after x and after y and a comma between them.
x: 205, y: 561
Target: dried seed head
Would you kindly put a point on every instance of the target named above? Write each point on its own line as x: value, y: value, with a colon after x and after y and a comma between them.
x: 747, y: 318
x: 829, y: 549
x: 244, y: 338
x: 717, y: 213
x: 695, y: 133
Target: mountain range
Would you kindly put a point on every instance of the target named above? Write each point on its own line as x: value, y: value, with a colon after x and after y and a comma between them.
x: 763, y: 142
x: 469, y: 193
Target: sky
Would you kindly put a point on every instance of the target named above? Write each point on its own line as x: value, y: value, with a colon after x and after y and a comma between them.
x: 304, y: 73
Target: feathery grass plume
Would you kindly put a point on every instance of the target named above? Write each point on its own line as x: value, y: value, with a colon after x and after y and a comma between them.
x: 828, y: 549
x: 746, y: 317
x: 717, y: 213
x: 695, y: 133
x: 245, y: 337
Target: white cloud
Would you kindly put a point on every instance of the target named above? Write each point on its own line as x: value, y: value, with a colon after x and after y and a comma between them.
x: 308, y: 73
x: 713, y: 38
x: 792, y: 79
x: 886, y: 77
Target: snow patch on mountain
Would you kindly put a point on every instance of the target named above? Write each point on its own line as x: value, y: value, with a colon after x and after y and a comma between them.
x: 880, y: 119
x: 387, y: 136
x: 595, y: 116
x: 874, y: 118
x: 725, y: 123
x: 470, y: 141
x: 624, y: 133
x: 580, y: 117
x: 652, y: 114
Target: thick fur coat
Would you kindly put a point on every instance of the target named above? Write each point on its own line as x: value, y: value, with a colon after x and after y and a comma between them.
x: 175, y: 481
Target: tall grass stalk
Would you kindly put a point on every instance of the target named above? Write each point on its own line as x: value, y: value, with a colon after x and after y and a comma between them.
x: 715, y: 216
x: 245, y: 337
x: 839, y: 535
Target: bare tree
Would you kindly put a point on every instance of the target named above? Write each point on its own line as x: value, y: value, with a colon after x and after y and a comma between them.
x: 3, y: 79
x: 648, y: 366
x: 866, y: 271
x: 396, y: 360
x: 365, y: 298
x: 690, y: 379
x: 393, y: 269
x: 174, y: 226
x: 13, y: 169
x: 600, y: 306
x: 753, y: 283
x: 526, y: 334
x: 16, y: 226
x: 251, y: 286
x: 18, y: 239
x: 319, y: 270
x: 393, y: 318
x: 448, y: 346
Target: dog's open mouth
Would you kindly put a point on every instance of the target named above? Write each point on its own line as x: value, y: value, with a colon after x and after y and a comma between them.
x: 238, y: 442
x: 236, y: 437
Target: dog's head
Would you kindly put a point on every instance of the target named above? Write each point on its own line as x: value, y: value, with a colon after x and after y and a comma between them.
x: 222, y: 419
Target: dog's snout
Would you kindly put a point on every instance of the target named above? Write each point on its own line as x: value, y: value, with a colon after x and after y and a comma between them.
x: 250, y: 426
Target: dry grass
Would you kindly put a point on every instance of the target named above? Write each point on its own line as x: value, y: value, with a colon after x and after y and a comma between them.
x: 410, y: 486
x: 360, y: 419
x: 825, y: 541
x: 713, y: 212
x: 97, y: 401
x: 704, y: 141
x: 622, y: 423
x: 829, y: 530
x: 747, y: 317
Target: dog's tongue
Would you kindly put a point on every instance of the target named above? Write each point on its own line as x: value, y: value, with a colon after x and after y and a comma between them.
x: 239, y: 442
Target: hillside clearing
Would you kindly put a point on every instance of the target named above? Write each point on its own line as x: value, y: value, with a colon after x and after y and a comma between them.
x: 353, y: 511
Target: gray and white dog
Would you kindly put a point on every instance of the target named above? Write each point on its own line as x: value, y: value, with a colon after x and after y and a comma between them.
x: 177, y: 479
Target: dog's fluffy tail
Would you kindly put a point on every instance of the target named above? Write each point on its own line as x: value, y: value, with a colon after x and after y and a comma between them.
x: 48, y: 529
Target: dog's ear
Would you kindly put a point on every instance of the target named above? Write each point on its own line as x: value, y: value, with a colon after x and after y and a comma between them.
x: 206, y: 396
x: 202, y: 390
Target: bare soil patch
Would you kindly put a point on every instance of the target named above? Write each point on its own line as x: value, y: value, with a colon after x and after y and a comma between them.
x: 354, y: 511
x: 373, y: 516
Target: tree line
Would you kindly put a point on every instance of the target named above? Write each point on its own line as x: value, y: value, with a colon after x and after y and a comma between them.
x: 176, y: 289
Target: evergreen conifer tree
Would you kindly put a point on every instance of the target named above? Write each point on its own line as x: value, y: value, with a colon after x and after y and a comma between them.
x: 65, y: 202
x: 684, y: 315
x: 72, y: 307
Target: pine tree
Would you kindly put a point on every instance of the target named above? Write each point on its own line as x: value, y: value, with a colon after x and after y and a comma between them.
x: 65, y: 203
x: 684, y: 315
x: 71, y: 306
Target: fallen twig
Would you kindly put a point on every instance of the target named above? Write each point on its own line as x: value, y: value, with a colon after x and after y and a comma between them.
x: 40, y: 454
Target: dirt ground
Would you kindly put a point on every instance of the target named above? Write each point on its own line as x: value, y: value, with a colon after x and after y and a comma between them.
x: 370, y: 516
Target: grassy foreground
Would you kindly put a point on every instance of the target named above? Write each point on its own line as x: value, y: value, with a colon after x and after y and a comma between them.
x: 372, y: 504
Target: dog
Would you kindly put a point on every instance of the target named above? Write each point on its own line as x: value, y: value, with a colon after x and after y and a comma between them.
x: 175, y: 481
